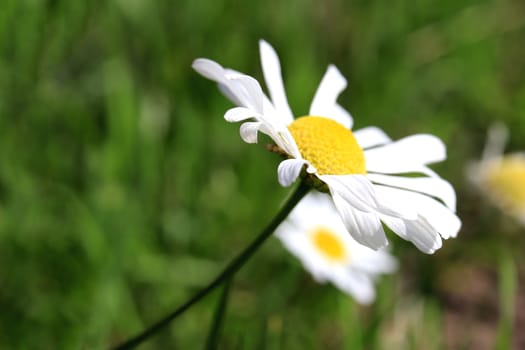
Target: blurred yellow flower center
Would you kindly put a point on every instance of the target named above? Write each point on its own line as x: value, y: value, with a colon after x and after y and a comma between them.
x: 506, y: 179
x: 330, y: 147
x: 328, y: 244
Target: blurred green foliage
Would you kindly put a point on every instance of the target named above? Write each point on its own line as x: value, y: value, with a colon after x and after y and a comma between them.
x: 122, y: 189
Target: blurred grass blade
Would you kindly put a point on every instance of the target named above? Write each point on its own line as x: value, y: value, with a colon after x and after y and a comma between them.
x: 507, y: 301
x: 213, y: 336
x: 350, y: 323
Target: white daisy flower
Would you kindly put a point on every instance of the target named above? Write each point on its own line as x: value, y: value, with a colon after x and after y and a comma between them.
x: 315, y: 234
x: 360, y: 169
x: 501, y: 177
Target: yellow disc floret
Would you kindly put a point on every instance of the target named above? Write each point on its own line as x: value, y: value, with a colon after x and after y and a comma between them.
x: 330, y: 147
x: 328, y: 244
x: 505, y: 179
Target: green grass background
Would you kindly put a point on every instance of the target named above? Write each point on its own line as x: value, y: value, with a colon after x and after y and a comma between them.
x: 123, y: 190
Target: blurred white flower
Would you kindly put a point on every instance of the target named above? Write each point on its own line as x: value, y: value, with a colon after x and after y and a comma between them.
x: 352, y: 166
x: 501, y: 177
x: 315, y: 234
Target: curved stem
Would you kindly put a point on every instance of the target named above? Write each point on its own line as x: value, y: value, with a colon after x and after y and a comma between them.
x: 213, y: 337
x: 230, y: 270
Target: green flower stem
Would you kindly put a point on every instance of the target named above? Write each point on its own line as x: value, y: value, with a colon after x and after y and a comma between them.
x: 228, y: 272
x: 213, y: 336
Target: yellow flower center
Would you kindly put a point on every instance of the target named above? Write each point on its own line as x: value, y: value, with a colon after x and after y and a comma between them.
x: 330, y: 147
x: 328, y: 244
x: 506, y: 180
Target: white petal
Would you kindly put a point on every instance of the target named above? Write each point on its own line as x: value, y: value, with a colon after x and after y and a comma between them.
x: 209, y: 69
x: 439, y: 216
x: 289, y: 170
x: 406, y: 155
x: 397, y: 225
x: 373, y: 262
x: 248, y: 91
x: 292, y: 237
x: 359, y: 192
x: 354, y: 189
x: 397, y: 208
x: 364, y: 227
x: 238, y: 114
x: 274, y: 81
x: 314, y: 203
x: 214, y: 71
x: 249, y: 131
x: 419, y: 232
x: 340, y: 115
x: 232, y: 73
x: 324, y: 102
x: 423, y: 235
x: 395, y: 211
x: 241, y: 89
x: 284, y: 139
x: 357, y: 284
x: 371, y: 136
x: 435, y: 187
x: 270, y: 112
x: 497, y: 137
x: 297, y: 242
x: 230, y: 95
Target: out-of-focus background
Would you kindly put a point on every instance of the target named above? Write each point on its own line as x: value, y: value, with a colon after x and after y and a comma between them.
x: 123, y: 190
